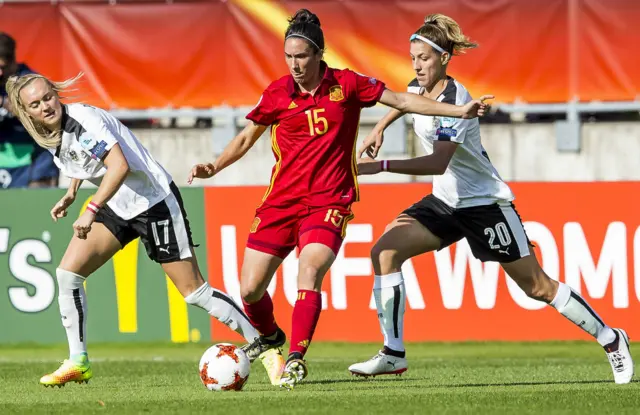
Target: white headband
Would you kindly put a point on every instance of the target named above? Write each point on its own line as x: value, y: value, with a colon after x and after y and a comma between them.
x: 304, y: 37
x: 425, y: 40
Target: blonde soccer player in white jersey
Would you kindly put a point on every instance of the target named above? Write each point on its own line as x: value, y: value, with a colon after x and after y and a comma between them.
x: 469, y: 200
x: 135, y: 198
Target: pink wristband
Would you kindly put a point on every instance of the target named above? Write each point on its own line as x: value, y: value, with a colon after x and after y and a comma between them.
x: 385, y: 165
x: 92, y: 207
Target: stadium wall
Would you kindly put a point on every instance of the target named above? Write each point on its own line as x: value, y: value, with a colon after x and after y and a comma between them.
x: 554, y: 51
x: 587, y: 235
x: 520, y: 152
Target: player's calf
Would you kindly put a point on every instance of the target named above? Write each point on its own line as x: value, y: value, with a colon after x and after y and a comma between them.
x: 224, y: 309
x: 576, y: 309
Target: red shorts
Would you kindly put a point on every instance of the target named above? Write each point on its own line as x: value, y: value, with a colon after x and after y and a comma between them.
x: 277, y: 231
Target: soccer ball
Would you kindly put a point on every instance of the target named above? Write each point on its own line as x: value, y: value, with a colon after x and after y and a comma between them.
x: 224, y: 367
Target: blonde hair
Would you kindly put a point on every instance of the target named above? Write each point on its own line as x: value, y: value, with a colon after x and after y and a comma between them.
x: 39, y: 132
x: 446, y: 33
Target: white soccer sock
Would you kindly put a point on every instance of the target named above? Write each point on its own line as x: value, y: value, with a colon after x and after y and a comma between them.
x: 73, y: 309
x: 389, y: 293
x: 224, y: 309
x: 571, y: 305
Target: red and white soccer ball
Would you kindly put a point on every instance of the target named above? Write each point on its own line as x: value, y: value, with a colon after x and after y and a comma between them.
x: 224, y: 367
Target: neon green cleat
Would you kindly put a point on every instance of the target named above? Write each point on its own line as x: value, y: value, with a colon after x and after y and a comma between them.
x: 70, y: 371
x: 274, y: 364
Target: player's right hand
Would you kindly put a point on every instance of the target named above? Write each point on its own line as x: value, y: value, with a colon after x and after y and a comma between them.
x: 476, y: 108
x: 201, y: 171
x: 60, y: 209
x: 371, y: 144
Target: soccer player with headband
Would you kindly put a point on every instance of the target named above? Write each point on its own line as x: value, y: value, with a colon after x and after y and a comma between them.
x: 469, y: 200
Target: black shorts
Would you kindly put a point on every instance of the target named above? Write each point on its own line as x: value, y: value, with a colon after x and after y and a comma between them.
x: 164, y: 228
x: 494, y: 232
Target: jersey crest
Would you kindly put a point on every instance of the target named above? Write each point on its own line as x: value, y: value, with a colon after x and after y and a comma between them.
x: 335, y: 93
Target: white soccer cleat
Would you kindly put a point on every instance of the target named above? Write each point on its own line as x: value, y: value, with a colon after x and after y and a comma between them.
x: 380, y: 364
x: 620, y: 358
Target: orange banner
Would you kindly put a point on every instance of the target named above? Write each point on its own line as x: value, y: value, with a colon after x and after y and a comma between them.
x: 587, y: 235
x: 211, y: 53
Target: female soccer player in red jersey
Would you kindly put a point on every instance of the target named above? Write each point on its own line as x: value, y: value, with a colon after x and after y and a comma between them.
x: 314, y: 114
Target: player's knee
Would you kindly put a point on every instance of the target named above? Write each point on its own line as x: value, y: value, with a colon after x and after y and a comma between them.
x: 250, y: 294
x: 386, y: 257
x: 310, y: 277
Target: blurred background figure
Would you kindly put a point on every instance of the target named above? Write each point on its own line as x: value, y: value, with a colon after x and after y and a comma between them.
x: 22, y: 162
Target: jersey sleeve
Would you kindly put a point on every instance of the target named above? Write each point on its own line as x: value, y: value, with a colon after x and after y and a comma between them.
x: 97, y: 139
x: 367, y: 90
x: 264, y: 113
x: 452, y: 129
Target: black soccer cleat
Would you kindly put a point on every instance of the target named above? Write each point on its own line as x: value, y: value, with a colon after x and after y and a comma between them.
x: 262, y: 344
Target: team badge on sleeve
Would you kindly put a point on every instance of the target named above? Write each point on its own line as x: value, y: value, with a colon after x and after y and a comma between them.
x: 446, y: 128
x: 254, y: 225
x: 448, y: 122
x: 335, y: 93
x: 96, y: 148
x: 372, y: 81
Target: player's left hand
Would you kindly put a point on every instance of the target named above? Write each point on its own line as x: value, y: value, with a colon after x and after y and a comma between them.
x: 82, y: 226
x: 369, y: 166
x: 476, y: 108
x: 201, y: 171
x: 372, y: 144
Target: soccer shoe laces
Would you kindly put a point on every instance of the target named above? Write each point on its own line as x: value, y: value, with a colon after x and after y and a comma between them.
x: 262, y: 344
x: 380, y: 355
x: 254, y: 349
x: 617, y: 360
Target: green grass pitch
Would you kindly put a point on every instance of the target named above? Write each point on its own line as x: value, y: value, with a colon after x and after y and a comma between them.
x: 472, y: 378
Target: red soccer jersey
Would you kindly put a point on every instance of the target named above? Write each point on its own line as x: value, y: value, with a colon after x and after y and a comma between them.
x: 314, y: 137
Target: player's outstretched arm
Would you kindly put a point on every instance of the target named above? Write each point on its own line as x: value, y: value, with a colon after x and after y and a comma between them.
x: 431, y: 165
x: 374, y: 140
x: 417, y: 104
x: 233, y: 152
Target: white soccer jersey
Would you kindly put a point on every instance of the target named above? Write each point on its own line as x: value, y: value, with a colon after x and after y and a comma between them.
x: 470, y: 178
x: 88, y: 133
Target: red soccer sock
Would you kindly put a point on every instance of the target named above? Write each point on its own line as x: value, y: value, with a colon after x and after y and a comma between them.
x: 261, y: 315
x: 305, y: 318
